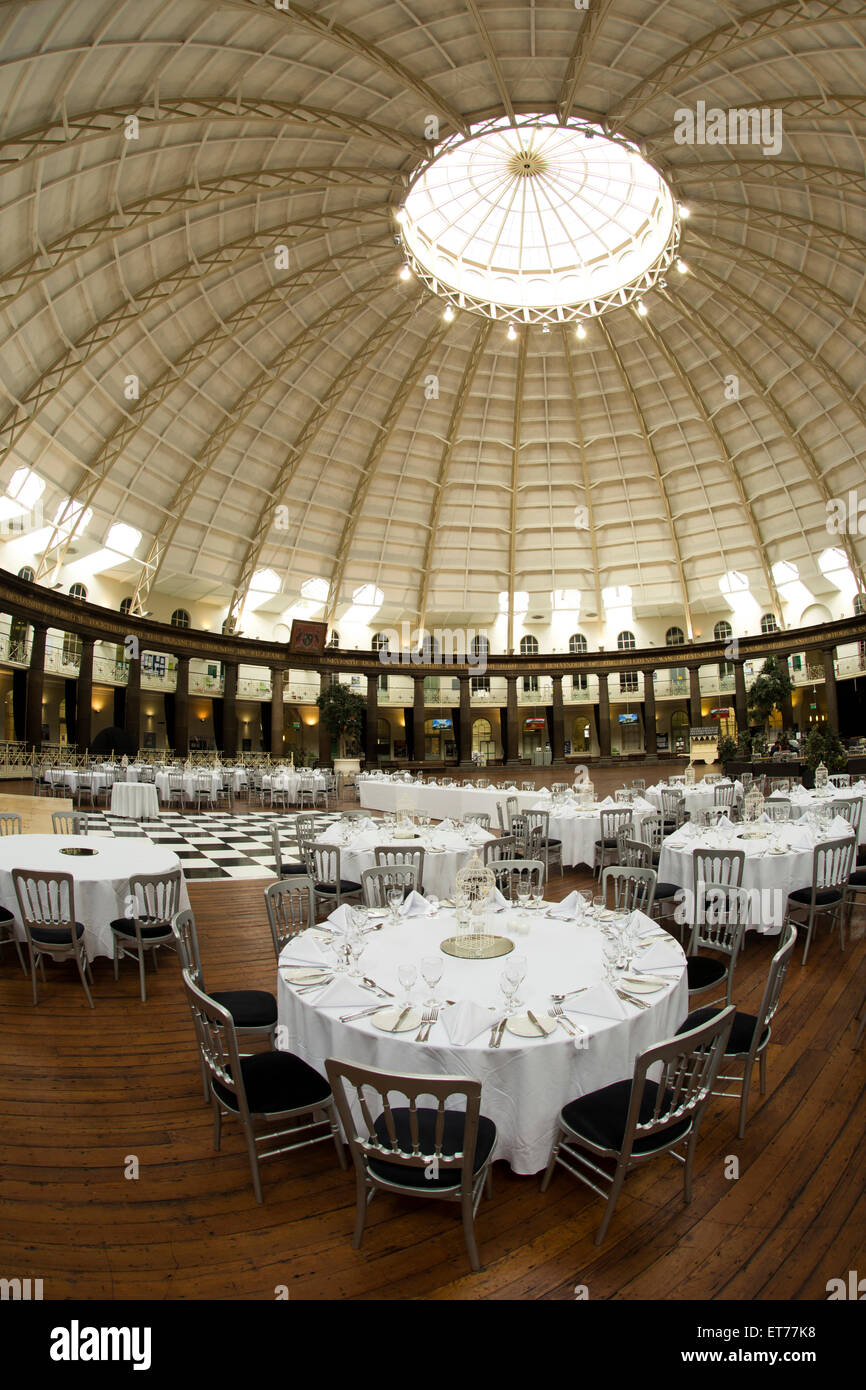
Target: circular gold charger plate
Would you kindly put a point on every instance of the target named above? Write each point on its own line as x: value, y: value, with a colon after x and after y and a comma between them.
x: 484, y: 948
x: 78, y: 849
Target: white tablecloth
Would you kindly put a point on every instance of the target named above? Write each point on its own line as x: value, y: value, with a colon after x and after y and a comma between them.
x: 773, y: 875
x: 444, y: 854
x: 579, y: 828
x: 525, y: 1082
x: 440, y: 802
x: 189, y: 783
x: 697, y: 798
x: 70, y: 778
x: 284, y: 779
x: 135, y: 799
x: 101, y: 880
x: 804, y: 800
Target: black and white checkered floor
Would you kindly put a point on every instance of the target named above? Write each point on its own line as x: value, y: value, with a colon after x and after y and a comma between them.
x: 212, y: 844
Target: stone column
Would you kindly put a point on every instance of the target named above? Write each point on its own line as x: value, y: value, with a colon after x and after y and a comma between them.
x: 132, y: 720
x: 787, y: 707
x: 512, y: 731
x: 695, y: 696
x: 324, y: 732
x: 649, y: 716
x: 85, y: 695
x: 418, y: 719
x: 230, y: 708
x: 276, y: 711
x: 741, y: 703
x: 465, y: 723
x: 830, y: 688
x: 36, y: 686
x: 557, y: 747
x: 181, y: 707
x: 373, y: 721
x: 603, y: 717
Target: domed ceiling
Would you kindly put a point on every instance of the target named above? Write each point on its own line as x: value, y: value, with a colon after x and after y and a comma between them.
x: 207, y: 336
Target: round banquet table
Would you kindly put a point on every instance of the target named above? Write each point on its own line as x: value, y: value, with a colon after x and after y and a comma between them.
x: 189, y: 779
x: 69, y: 777
x: 578, y: 827
x: 285, y: 780
x: 804, y: 800
x: 101, y: 879
x: 525, y: 1082
x: 697, y: 798
x: 445, y: 851
x: 773, y: 874
x: 138, y: 800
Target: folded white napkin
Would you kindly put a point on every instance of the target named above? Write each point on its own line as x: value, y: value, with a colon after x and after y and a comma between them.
x: 659, y: 954
x: 342, y: 993
x: 569, y: 908
x: 838, y: 828
x: 608, y: 801
x: 339, y: 918
x: 464, y: 1021
x: 545, y: 793
x: 724, y: 823
x: 302, y: 948
x: 499, y: 902
x: 414, y: 905
x: 599, y: 1002
x: 446, y: 824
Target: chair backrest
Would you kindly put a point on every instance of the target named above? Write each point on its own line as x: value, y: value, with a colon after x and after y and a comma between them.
x: 217, y: 1040
x: 652, y: 830
x: 68, y: 823
x: 721, y: 916
x: 512, y: 808
x: 673, y: 804
x: 851, y: 811
x: 539, y: 820
x: 155, y: 897
x: 290, y: 905
x: 10, y: 824
x: 175, y: 781
x: 147, y: 773
x: 623, y: 836
x: 689, y: 1065
x: 634, y: 890
x: 323, y: 863
x: 831, y: 863
x: 840, y: 779
x: 613, y: 820
x: 510, y: 874
x: 422, y: 1146
x: 503, y: 848
x: 780, y: 784
x: 772, y: 995
x: 724, y: 796
x: 481, y: 818
x: 779, y: 810
x: 305, y: 830
x: 186, y: 945
x: 378, y: 882
x: 634, y: 854
x: 500, y: 815
x: 722, y: 866
x: 386, y: 855
x: 639, y: 784
x: 45, y: 899
x: 527, y: 786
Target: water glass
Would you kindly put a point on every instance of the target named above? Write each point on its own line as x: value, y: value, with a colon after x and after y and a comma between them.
x: 431, y: 969
x: 407, y: 974
x: 395, y: 900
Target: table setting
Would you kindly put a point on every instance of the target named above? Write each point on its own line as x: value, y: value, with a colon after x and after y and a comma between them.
x: 779, y: 856
x: 804, y: 800
x: 447, y: 847
x: 700, y: 797
x: 578, y: 824
x: 579, y: 990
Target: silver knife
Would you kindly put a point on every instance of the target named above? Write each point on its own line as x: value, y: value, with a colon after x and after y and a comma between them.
x: 532, y: 1019
x: 498, y: 1042
x: 362, y: 1013
x: 406, y: 1011
x: 630, y: 999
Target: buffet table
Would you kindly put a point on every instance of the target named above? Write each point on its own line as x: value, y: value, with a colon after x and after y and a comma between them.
x: 440, y: 802
x: 101, y: 878
x: 525, y: 1081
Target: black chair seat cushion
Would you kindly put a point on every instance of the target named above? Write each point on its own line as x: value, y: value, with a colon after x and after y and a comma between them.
x: 125, y: 926
x: 346, y: 886
x: 742, y: 1032
x: 552, y: 844
x: 823, y: 898
x: 5, y: 915
x: 452, y: 1141
x: 606, y: 844
x: 667, y: 890
x: 276, y: 1081
x: 250, y: 1008
x: 703, y: 972
x: 59, y: 936
x: 856, y: 880
x: 601, y: 1116
x: 293, y: 869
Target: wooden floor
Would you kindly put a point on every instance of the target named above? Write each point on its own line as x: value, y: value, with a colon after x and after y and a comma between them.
x: 84, y: 1092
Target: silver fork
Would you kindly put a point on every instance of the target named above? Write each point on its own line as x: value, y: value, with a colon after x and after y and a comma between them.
x: 630, y: 999
x: 435, y: 1012
x: 425, y: 1020
x: 558, y: 1012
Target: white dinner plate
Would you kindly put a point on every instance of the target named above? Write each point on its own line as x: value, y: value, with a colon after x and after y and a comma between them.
x: 642, y: 984
x: 301, y: 975
x: 522, y: 1027
x: 386, y: 1019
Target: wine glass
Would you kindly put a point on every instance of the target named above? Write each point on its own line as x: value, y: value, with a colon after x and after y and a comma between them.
x: 395, y: 900
x: 536, y: 897
x: 407, y: 974
x: 357, y: 947
x: 523, y: 892
x: 508, y: 985
x: 431, y: 969
x: 432, y: 905
x: 517, y: 967
x: 610, y: 951
x: 358, y: 918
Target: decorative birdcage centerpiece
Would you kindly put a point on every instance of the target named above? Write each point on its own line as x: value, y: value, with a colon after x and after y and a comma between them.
x: 404, y: 818
x: 689, y: 776
x: 585, y: 793
x: 753, y: 805
x: 822, y: 777
x: 474, y: 905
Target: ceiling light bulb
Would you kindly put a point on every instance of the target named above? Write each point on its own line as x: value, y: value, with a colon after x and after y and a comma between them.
x: 512, y: 332
x: 400, y: 215
x: 449, y: 314
x: 682, y: 267
x: 684, y: 211
x: 642, y: 309
x: 581, y: 331
x: 405, y: 273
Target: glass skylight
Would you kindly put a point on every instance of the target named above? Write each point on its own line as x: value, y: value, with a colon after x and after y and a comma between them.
x: 538, y: 221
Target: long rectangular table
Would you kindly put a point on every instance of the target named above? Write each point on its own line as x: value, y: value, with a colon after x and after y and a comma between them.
x: 440, y: 802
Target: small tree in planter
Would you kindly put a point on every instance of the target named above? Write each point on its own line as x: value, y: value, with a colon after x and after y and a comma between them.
x: 343, y: 711
x: 823, y: 745
x: 771, y: 688
x: 727, y: 750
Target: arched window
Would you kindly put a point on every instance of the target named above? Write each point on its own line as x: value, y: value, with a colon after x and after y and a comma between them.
x: 529, y: 647
x: 674, y: 637
x: 578, y: 645
x: 625, y: 642
x: 680, y: 731
x: 71, y: 654
x: 581, y: 735
x: 27, y: 573
x: 78, y: 591
x: 723, y: 632
x: 482, y: 737
x: 479, y: 684
x: 334, y: 639
x: 768, y: 623
x: 126, y: 604
x: 628, y: 682
x: 180, y: 618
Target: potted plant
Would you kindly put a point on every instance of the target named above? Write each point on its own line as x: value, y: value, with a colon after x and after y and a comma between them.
x: 343, y: 712
x: 771, y: 688
x: 727, y: 751
x: 823, y: 745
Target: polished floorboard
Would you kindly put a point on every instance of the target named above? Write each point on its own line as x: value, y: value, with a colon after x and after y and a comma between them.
x: 110, y: 1188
